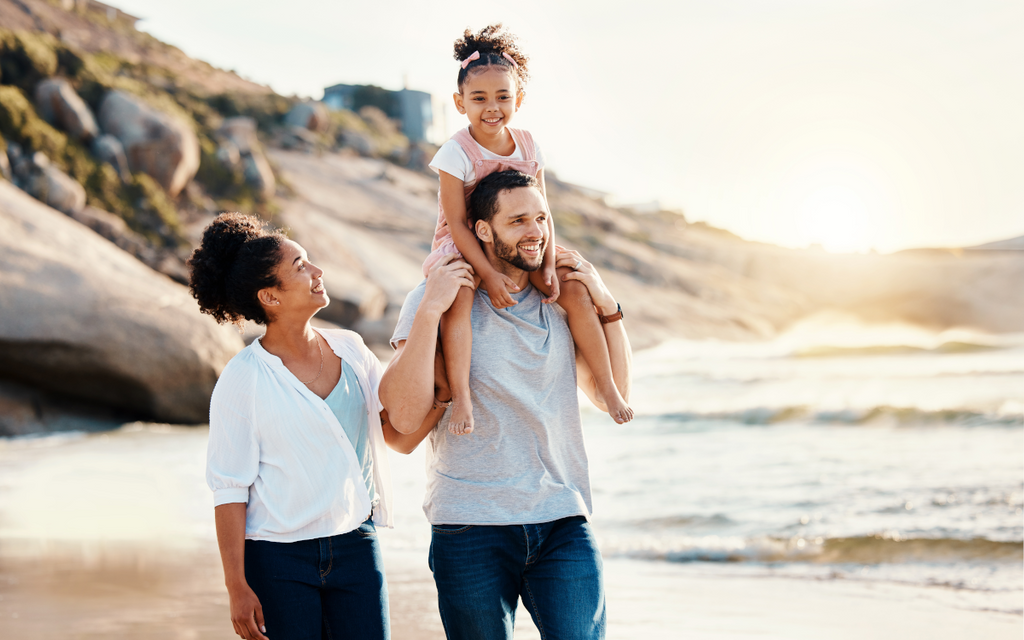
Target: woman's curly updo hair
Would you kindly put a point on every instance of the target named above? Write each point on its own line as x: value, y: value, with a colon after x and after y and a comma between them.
x: 237, y: 257
x: 491, y: 41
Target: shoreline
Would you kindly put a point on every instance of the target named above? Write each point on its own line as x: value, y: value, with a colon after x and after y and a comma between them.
x: 117, y: 591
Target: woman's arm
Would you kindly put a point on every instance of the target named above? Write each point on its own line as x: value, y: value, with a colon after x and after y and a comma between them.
x: 453, y: 202
x: 407, y: 386
x: 246, y: 612
x: 621, y: 354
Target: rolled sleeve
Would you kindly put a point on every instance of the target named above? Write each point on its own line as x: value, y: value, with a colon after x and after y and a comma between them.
x: 232, y: 454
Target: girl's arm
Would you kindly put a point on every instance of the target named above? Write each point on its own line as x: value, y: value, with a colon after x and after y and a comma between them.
x: 550, y: 274
x: 453, y: 201
x: 246, y: 612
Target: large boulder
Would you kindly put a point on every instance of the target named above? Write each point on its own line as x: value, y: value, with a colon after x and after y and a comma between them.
x: 60, y: 106
x: 82, y: 318
x: 309, y: 115
x: 157, y: 144
x: 241, y: 148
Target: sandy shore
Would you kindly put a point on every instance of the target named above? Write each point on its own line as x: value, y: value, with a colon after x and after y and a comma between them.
x: 75, y: 591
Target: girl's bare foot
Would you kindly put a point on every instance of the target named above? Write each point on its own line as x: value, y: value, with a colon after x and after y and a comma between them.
x: 617, y: 407
x: 461, y: 421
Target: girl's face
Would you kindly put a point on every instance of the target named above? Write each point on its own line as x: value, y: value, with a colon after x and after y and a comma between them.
x: 489, y: 98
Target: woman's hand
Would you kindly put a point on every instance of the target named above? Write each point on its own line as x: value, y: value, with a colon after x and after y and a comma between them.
x: 246, y: 613
x: 444, y: 281
x: 587, y: 274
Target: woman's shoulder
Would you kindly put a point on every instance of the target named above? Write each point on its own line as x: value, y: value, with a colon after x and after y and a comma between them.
x: 242, y: 367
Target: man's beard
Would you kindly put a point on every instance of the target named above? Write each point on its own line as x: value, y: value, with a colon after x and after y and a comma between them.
x: 510, y: 254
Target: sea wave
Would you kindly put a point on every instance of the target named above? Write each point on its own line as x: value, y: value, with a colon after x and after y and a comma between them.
x: 862, y: 550
x: 902, y: 416
x: 832, y: 351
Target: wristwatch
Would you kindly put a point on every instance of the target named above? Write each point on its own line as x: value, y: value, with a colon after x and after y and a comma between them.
x: 613, y: 317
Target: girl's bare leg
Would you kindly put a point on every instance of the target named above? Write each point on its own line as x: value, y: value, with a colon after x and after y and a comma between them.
x: 590, y: 340
x: 457, y: 345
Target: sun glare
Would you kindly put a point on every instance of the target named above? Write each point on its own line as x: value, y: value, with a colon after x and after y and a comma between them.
x: 836, y: 219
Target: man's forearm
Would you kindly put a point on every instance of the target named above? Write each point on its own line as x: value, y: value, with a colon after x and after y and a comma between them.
x: 620, y: 353
x: 407, y: 387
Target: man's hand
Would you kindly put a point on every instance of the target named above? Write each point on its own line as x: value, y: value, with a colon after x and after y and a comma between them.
x: 444, y: 281
x: 498, y: 285
x: 587, y: 274
x: 246, y: 613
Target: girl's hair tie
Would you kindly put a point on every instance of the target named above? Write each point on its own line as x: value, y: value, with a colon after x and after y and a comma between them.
x: 509, y: 58
x: 473, y: 56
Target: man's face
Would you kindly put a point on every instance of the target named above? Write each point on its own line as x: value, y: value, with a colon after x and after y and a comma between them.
x: 520, y: 228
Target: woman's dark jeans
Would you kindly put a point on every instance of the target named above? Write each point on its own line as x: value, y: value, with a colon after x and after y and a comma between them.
x: 327, y: 588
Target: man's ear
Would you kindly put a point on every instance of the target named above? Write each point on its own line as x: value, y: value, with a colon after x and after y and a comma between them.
x: 267, y: 298
x: 483, y: 231
x: 461, y: 108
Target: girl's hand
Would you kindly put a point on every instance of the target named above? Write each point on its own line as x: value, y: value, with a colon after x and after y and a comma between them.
x: 550, y: 274
x: 444, y: 281
x: 498, y: 285
x: 247, y: 613
x: 587, y: 274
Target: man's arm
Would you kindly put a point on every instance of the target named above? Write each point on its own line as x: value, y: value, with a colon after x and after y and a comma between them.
x: 407, y: 386
x: 407, y: 442
x: 619, y: 350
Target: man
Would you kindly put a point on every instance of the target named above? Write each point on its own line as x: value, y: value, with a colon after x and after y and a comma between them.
x: 508, y: 503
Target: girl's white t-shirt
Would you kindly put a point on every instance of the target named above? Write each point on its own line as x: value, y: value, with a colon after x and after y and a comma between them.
x: 452, y: 159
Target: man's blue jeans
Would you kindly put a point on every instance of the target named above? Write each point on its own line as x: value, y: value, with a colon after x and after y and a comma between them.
x: 328, y: 588
x: 481, y: 571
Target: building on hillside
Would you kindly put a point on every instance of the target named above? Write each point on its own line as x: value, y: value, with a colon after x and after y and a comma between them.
x: 420, y: 117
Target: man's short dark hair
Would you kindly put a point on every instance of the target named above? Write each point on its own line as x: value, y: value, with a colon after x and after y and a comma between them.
x: 483, y: 203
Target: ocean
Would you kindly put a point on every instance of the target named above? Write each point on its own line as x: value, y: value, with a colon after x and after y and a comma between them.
x: 837, y: 452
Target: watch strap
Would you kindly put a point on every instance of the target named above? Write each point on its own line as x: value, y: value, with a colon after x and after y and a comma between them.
x: 613, y: 317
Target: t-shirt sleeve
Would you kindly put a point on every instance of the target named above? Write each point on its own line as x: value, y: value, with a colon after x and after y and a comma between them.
x: 451, y: 159
x: 538, y: 154
x: 232, y: 454
x: 408, y: 314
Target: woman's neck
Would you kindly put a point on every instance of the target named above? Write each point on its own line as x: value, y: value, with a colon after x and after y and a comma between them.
x: 285, y: 338
x: 500, y: 143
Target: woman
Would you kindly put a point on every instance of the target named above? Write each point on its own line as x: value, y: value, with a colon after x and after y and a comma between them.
x: 296, y: 458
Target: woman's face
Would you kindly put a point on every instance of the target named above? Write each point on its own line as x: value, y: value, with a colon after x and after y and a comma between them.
x: 300, y: 290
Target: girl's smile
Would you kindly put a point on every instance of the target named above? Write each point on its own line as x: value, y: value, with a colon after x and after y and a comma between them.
x: 490, y: 98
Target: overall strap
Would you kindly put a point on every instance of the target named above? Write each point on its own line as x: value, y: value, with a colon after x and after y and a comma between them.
x: 524, y: 141
x: 469, y: 145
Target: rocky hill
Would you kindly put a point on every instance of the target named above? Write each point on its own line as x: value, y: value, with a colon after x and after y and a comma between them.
x: 116, y: 150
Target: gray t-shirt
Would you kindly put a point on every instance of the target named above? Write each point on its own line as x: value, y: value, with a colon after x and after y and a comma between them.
x: 525, y: 461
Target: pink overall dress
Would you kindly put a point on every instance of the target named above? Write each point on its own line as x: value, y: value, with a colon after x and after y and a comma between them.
x: 482, y: 167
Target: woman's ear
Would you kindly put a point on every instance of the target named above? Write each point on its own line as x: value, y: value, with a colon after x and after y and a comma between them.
x: 267, y: 298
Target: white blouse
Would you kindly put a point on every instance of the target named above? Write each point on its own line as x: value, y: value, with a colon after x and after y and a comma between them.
x: 278, y: 447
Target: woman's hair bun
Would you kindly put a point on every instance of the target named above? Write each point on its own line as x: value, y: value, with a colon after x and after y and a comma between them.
x: 493, y: 42
x: 236, y: 258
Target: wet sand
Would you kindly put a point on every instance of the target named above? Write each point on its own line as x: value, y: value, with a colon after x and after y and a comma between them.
x: 111, y: 536
x: 87, y: 592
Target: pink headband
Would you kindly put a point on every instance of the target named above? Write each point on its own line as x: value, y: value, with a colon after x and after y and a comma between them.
x: 476, y: 56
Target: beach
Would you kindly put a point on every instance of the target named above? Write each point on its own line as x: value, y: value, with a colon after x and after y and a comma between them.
x: 766, y: 490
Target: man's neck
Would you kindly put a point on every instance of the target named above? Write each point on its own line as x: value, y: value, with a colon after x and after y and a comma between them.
x: 505, y: 268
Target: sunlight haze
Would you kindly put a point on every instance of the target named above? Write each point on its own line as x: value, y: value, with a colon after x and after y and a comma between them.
x: 851, y: 125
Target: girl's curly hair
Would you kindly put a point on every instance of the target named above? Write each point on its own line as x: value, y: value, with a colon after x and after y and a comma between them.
x: 237, y: 257
x: 492, y: 41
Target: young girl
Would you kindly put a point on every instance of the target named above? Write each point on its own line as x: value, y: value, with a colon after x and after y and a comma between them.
x: 491, y: 84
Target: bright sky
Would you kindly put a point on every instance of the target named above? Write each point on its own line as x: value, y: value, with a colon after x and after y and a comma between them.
x: 855, y: 124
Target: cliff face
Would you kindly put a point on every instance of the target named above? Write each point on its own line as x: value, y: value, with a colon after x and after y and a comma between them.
x: 371, y: 222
